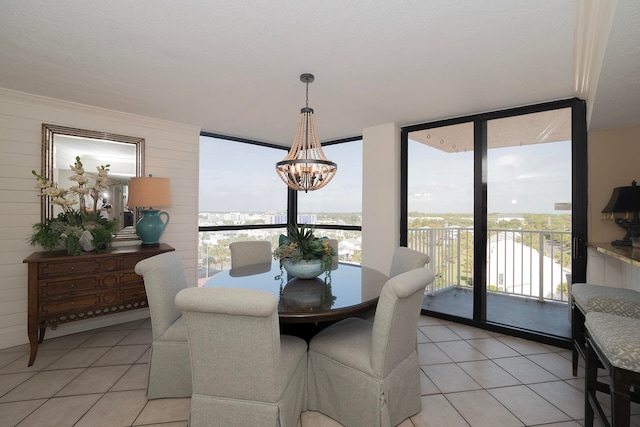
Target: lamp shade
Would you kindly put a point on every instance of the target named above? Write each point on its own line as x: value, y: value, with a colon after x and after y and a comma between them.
x: 149, y: 192
x: 624, y: 199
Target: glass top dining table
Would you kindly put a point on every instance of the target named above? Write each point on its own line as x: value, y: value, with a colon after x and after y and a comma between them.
x: 351, y: 290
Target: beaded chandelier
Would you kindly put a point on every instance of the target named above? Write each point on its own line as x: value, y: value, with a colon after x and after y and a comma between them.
x: 306, y: 168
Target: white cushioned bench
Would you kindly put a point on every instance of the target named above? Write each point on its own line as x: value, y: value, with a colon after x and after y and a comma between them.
x: 613, y: 342
x: 586, y: 298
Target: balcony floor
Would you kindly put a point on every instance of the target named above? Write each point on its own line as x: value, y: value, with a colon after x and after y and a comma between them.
x: 548, y: 318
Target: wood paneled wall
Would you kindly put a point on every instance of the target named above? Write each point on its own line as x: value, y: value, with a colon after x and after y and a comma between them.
x: 171, y: 150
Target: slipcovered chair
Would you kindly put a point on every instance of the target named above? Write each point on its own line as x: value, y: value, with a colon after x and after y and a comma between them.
x: 365, y: 373
x: 244, y: 372
x: 170, y: 367
x: 250, y: 252
x: 405, y: 259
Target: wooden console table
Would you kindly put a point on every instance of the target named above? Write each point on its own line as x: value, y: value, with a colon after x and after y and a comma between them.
x: 65, y: 288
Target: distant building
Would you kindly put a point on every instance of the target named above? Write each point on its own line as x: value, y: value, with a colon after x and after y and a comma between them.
x: 513, y: 267
x: 302, y: 219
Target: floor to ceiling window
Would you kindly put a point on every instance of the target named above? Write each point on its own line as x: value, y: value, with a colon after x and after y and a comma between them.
x: 498, y: 201
x: 336, y: 209
x: 241, y: 197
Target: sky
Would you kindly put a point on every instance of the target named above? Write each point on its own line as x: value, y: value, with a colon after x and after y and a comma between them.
x: 521, y: 179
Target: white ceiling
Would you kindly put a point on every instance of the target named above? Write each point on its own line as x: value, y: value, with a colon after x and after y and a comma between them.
x: 233, y: 67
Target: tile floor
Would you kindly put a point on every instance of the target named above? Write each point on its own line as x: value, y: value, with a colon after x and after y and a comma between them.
x: 470, y: 377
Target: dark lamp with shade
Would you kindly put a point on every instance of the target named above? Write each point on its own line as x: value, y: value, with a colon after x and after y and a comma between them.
x: 625, y: 200
x: 148, y: 193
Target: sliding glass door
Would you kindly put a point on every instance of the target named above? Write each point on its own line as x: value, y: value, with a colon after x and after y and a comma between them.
x: 498, y: 201
x: 529, y: 211
x: 440, y: 212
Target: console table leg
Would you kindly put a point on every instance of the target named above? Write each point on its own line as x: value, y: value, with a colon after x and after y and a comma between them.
x: 33, y: 342
x: 41, y: 335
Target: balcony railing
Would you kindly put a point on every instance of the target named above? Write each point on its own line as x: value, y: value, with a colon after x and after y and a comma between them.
x: 527, y: 263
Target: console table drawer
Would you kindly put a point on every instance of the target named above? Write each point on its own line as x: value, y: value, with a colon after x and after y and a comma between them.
x: 135, y: 294
x: 89, y: 266
x: 86, y: 283
x: 69, y: 305
x: 129, y: 263
x: 131, y: 278
x: 52, y: 288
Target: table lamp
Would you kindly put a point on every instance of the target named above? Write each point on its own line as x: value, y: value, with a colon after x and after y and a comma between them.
x: 625, y: 200
x: 147, y: 193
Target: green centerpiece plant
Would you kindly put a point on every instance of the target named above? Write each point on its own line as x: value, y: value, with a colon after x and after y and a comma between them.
x: 301, y: 246
x: 74, y: 229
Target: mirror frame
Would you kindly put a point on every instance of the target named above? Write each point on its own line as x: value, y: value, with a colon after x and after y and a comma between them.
x: 49, y: 132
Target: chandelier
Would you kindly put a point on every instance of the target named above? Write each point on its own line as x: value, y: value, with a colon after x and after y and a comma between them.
x: 306, y: 168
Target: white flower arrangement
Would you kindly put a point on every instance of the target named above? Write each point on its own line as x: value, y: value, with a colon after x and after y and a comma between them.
x: 69, y: 226
x: 76, y: 193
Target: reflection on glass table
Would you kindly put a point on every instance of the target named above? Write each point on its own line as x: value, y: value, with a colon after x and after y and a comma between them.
x: 351, y: 290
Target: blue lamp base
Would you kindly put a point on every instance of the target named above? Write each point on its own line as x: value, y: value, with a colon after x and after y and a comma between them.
x: 151, y: 226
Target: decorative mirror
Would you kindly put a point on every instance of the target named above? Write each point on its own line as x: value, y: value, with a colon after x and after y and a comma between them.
x: 124, y: 154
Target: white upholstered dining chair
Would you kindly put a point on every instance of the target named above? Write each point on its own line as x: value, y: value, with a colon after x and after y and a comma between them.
x: 365, y: 373
x: 250, y: 252
x: 244, y: 372
x: 170, y: 368
x: 405, y: 259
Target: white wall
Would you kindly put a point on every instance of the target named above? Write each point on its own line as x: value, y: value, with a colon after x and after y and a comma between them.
x: 171, y: 150
x: 612, y: 163
x: 603, y: 269
x: 380, y: 195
